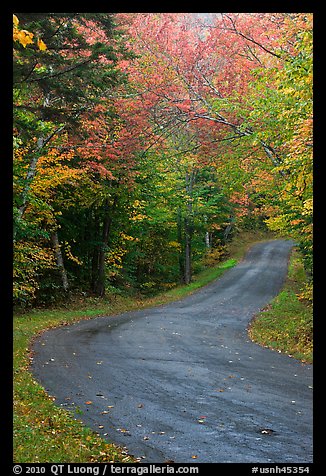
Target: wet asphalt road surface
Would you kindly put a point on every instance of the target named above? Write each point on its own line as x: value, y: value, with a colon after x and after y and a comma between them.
x: 183, y: 380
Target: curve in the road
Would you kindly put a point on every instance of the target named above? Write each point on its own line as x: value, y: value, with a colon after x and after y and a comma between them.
x: 182, y: 382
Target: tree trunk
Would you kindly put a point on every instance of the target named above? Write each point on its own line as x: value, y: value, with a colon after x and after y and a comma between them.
x: 189, y: 228
x: 59, y: 260
x: 42, y: 141
x: 94, y: 252
x: 208, y: 236
x: 207, y: 240
x: 100, y: 281
x: 228, y: 230
x: 188, y: 239
x: 181, y: 252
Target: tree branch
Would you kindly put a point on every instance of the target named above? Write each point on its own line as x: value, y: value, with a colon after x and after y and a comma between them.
x: 248, y: 38
x: 41, y: 143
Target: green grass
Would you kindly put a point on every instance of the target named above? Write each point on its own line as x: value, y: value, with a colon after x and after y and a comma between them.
x: 286, y: 324
x: 199, y: 281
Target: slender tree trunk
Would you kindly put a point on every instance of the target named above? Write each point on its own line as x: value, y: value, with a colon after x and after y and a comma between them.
x: 59, y: 260
x: 189, y: 228
x: 207, y: 236
x: 227, y: 230
x: 207, y: 240
x: 42, y: 141
x: 181, y: 252
x: 94, y: 252
x: 100, y: 281
x: 188, y: 239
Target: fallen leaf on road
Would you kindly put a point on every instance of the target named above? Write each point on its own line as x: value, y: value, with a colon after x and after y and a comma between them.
x: 266, y: 431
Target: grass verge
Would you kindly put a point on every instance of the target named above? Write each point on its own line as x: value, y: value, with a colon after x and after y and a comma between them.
x: 286, y: 324
x: 44, y: 432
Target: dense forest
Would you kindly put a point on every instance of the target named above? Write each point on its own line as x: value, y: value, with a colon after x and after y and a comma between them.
x: 143, y: 142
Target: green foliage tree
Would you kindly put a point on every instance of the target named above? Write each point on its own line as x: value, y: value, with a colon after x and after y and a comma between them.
x: 283, y: 110
x: 68, y: 74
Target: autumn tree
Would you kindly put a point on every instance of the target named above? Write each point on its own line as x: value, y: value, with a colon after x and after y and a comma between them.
x: 144, y: 180
x: 289, y: 118
x: 68, y: 72
x: 256, y: 112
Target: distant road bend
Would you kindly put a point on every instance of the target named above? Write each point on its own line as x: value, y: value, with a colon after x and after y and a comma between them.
x: 182, y: 382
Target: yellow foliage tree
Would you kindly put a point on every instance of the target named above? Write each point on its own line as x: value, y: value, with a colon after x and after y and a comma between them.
x: 25, y: 37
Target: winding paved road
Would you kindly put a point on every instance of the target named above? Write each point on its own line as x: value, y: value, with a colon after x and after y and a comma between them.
x: 183, y: 379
